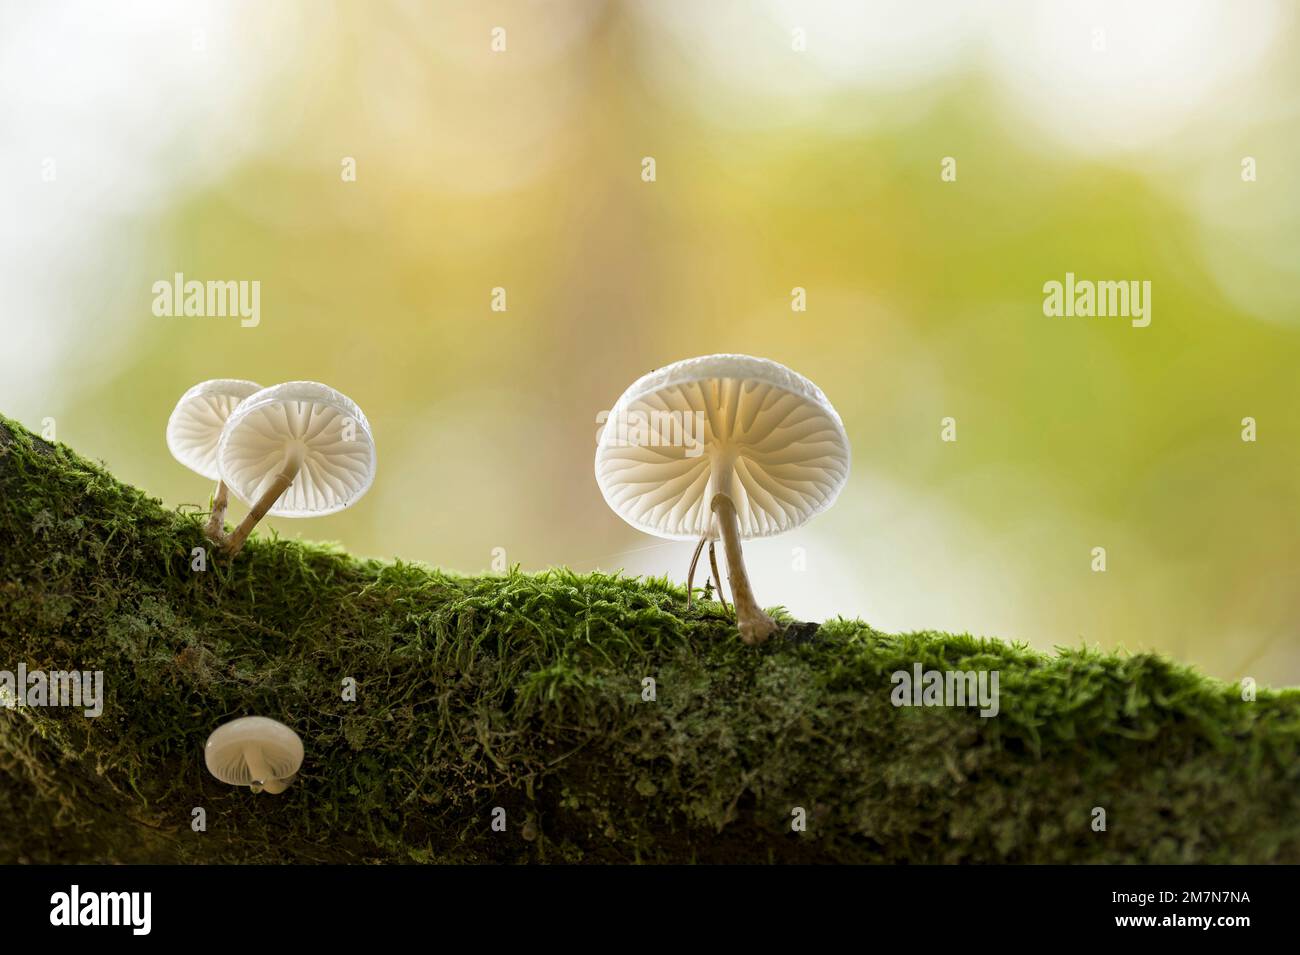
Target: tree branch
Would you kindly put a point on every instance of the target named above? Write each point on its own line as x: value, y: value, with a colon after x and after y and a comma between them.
x: 525, y: 692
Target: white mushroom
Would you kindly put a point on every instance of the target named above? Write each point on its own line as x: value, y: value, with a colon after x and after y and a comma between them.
x: 254, y: 751
x: 194, y: 429
x: 723, y: 446
x: 300, y: 449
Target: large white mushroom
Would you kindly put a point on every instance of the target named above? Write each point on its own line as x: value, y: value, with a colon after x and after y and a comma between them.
x: 300, y: 449
x: 723, y: 446
x: 254, y: 751
x: 194, y: 429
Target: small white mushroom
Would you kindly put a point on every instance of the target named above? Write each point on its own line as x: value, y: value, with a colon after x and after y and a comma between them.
x: 300, y: 449
x: 760, y: 452
x: 194, y: 429
x: 254, y: 751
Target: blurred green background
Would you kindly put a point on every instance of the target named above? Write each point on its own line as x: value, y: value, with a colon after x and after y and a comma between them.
x: 796, y: 145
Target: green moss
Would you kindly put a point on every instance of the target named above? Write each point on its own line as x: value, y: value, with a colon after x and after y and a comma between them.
x: 524, y: 691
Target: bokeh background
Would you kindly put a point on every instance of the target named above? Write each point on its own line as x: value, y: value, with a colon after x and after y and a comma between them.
x: 1101, y: 138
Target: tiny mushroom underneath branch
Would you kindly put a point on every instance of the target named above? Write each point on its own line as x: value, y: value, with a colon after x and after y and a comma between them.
x: 254, y: 751
x: 723, y: 446
x: 300, y: 449
x: 194, y: 429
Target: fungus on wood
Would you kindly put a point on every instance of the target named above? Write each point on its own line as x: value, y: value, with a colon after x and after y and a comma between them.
x: 524, y: 692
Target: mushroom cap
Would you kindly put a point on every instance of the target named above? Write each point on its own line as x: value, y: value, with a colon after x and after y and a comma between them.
x: 770, y: 439
x: 226, y: 751
x: 306, y: 418
x: 194, y: 428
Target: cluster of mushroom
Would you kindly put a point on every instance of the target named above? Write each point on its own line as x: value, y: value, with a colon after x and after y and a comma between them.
x: 300, y: 449
x: 774, y: 454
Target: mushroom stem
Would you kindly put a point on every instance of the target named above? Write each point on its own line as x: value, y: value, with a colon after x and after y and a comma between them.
x: 278, y: 785
x: 216, y: 529
x: 755, y: 626
x: 259, y: 772
x: 264, y: 503
x: 690, y: 574
x: 717, y: 577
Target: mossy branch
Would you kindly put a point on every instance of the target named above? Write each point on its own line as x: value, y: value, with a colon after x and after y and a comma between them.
x: 525, y: 692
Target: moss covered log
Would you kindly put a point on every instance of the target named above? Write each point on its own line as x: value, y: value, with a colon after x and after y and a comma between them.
x: 525, y: 692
